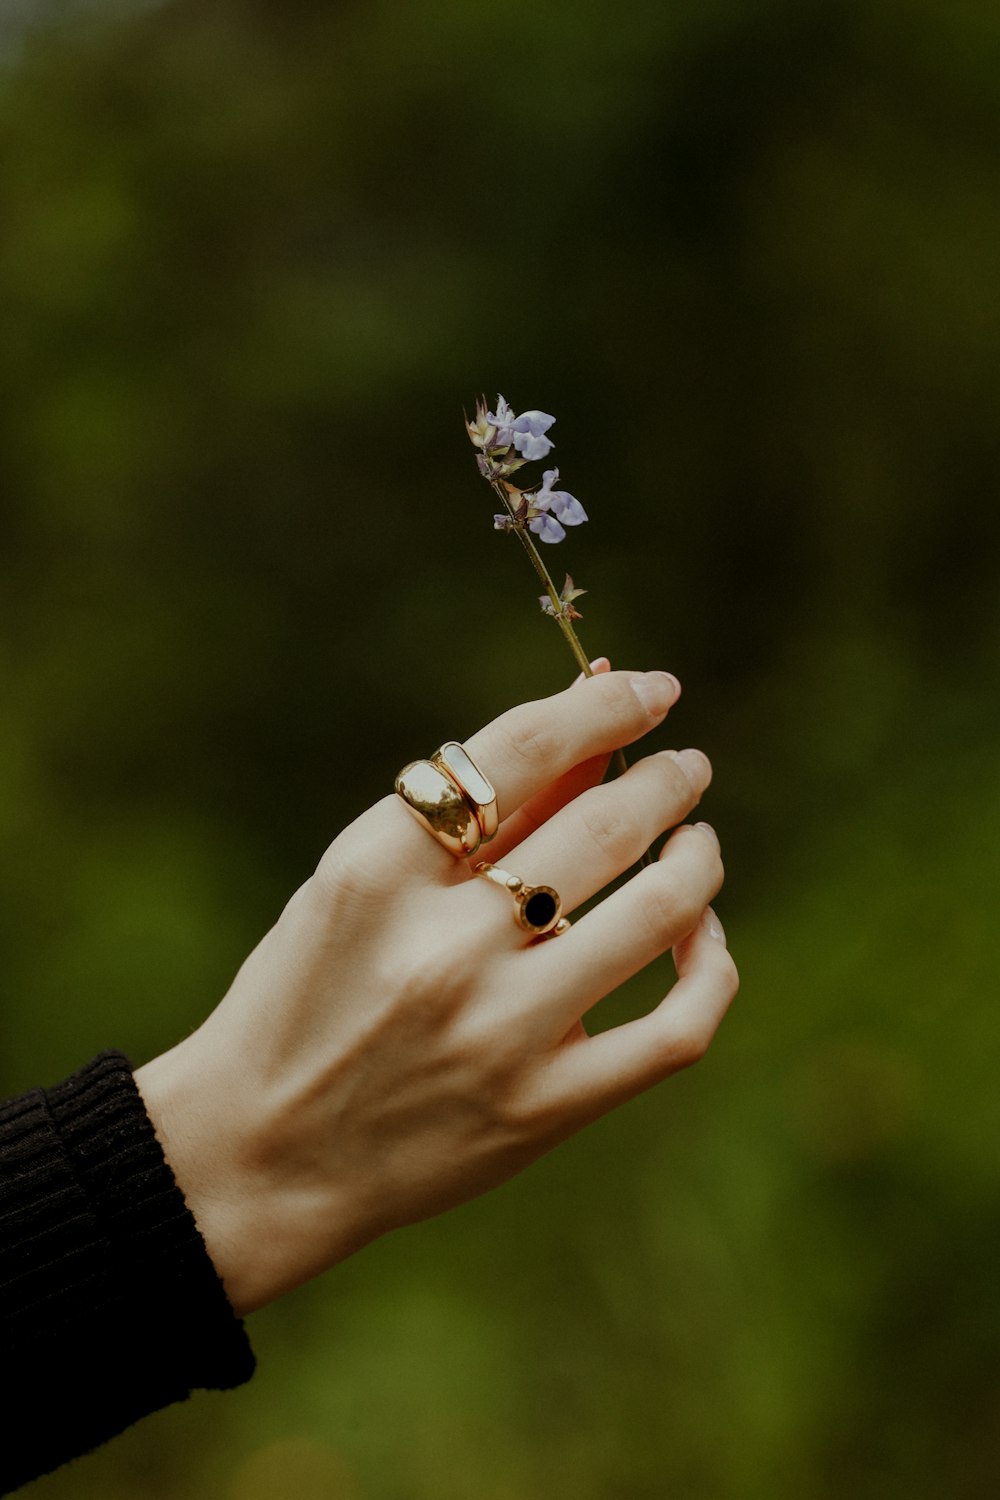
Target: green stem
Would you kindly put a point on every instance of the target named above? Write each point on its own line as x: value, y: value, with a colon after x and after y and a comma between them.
x: 572, y: 639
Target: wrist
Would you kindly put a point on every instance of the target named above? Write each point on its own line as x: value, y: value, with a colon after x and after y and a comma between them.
x: 206, y: 1179
x: 267, y: 1228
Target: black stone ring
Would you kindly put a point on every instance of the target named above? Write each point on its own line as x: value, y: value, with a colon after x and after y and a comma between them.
x: 537, y: 908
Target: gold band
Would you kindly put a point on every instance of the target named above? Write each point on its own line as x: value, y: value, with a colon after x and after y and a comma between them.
x: 452, y: 798
x: 537, y: 908
x: 457, y: 763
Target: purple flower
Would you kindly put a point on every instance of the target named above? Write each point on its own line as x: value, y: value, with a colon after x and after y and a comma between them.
x: 556, y: 506
x: 503, y: 420
x: 526, y: 433
x: 546, y: 529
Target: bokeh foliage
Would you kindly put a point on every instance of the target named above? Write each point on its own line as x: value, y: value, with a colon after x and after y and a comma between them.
x: 254, y: 258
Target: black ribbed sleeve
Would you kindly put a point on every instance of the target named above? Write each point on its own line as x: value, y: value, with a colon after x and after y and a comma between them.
x: 110, y: 1307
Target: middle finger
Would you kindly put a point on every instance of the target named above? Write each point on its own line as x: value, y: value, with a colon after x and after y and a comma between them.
x: 607, y: 828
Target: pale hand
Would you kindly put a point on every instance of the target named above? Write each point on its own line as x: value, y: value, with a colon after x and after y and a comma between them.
x: 396, y: 1044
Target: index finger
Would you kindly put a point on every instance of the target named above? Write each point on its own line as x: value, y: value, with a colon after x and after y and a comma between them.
x: 531, y: 745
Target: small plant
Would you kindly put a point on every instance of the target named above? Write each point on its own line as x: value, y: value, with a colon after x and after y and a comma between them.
x: 505, y: 443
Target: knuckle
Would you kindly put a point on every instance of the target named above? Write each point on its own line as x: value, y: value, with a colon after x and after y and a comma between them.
x: 730, y: 980
x: 529, y: 1115
x: 713, y: 873
x: 430, y: 987
x: 691, y: 1046
x: 608, y: 826
x: 529, y: 740
x: 669, y: 907
x: 718, y: 876
x: 342, y: 882
x: 675, y: 1049
x: 352, y: 869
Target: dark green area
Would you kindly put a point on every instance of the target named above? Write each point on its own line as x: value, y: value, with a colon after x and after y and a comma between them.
x: 254, y: 259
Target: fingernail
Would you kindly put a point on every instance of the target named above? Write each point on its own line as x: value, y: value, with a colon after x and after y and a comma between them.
x: 656, y: 691
x: 714, y: 927
x: 707, y: 828
x: 696, y: 767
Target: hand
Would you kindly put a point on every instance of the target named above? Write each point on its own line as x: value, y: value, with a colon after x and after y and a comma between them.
x: 397, y: 1044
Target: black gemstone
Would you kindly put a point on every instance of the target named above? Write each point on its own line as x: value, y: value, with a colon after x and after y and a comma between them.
x: 540, y: 908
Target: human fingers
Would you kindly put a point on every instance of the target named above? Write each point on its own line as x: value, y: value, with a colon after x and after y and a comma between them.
x: 594, y: 1074
x: 530, y: 746
x: 538, y: 809
x: 589, y: 842
x: 544, y: 805
x: 523, y: 752
x: 653, y: 911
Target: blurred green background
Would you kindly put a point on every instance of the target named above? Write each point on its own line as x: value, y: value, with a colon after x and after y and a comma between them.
x: 254, y: 259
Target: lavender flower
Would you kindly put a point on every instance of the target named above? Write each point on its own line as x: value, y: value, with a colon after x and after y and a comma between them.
x: 555, y: 506
x: 526, y: 433
x: 497, y: 432
x: 506, y: 442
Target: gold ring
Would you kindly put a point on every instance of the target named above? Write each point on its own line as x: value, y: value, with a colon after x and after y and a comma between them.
x: 457, y: 763
x: 451, y: 798
x: 537, y: 908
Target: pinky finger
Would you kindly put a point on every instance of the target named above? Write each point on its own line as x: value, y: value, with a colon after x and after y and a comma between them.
x: 594, y: 1074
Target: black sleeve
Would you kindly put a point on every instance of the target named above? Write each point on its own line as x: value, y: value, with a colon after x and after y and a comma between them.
x: 110, y: 1307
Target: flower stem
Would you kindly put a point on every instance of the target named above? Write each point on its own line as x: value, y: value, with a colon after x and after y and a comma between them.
x: 572, y: 639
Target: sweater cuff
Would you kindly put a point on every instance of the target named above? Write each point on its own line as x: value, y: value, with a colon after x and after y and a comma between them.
x: 159, y: 1265
x: 108, y: 1296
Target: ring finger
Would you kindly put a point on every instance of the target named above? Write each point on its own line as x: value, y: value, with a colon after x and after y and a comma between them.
x: 652, y: 912
x: 599, y: 834
x: 528, y: 748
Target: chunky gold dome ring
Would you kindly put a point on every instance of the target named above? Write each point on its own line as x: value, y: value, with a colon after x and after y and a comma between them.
x: 459, y: 765
x: 451, y: 798
x: 537, y: 908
